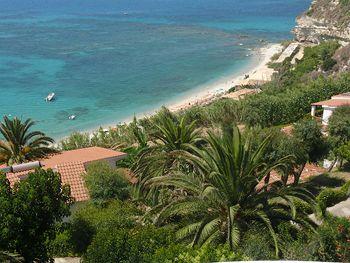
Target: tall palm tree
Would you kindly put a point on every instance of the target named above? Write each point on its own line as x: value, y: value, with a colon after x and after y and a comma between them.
x: 20, y: 144
x: 222, y: 199
x: 161, y: 155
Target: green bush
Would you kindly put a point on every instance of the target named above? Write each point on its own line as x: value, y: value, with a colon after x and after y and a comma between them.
x: 123, y: 245
x: 297, y: 245
x: 329, y: 197
x: 282, y: 106
x: 303, y: 207
x: 62, y: 246
x: 257, y: 246
x: 339, y: 127
x: 91, y: 219
x: 334, y: 236
x: 346, y: 188
x: 209, y: 253
x: 170, y: 253
x: 105, y: 182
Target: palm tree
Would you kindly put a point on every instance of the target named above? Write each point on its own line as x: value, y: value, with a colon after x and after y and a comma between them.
x: 20, y: 144
x: 222, y: 199
x: 161, y: 155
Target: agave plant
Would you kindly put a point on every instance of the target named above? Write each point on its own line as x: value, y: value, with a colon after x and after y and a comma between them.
x: 20, y: 144
x: 223, y: 198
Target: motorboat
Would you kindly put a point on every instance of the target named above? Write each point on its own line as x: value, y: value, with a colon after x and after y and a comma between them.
x: 71, y: 117
x: 50, y: 97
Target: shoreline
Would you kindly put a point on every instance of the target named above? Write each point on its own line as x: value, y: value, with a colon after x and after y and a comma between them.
x: 205, y: 94
x: 258, y: 74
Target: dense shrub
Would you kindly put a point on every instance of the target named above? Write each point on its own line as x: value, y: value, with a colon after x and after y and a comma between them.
x: 309, y: 133
x: 334, y: 236
x: 209, y: 253
x: 339, y: 126
x: 289, y: 105
x: 257, y: 245
x: 90, y: 219
x: 123, y: 245
x: 297, y: 245
x: 329, y: 197
x: 62, y: 245
x: 105, y: 182
x: 29, y: 212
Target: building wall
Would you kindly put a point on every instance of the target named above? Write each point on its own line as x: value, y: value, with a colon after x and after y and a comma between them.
x: 327, y: 113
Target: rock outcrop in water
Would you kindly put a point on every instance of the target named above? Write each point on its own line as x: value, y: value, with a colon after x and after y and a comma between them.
x: 326, y: 19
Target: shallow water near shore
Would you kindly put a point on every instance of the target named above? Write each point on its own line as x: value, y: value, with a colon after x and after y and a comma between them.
x: 107, y: 60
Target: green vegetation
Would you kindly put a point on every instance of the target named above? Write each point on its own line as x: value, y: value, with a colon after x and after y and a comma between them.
x: 20, y: 143
x: 225, y: 199
x: 104, y: 182
x: 339, y: 131
x: 29, y: 213
x: 329, y: 197
x: 203, y: 190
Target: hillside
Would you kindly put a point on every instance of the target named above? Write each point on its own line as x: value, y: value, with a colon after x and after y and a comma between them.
x: 326, y: 19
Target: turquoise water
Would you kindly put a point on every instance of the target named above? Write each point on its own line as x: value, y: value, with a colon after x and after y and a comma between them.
x: 109, y: 59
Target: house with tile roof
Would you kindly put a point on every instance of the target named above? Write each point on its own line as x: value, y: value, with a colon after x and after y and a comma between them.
x: 330, y: 105
x: 71, y: 165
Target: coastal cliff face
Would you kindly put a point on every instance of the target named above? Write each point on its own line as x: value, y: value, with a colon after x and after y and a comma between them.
x: 326, y: 19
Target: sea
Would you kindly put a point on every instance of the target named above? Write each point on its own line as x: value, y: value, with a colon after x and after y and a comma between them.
x: 108, y: 60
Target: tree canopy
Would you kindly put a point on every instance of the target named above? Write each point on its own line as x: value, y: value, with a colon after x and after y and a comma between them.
x: 29, y: 212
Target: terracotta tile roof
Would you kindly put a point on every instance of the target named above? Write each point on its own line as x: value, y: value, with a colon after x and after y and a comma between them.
x: 71, y: 166
x: 333, y: 103
x: 84, y: 155
x: 13, y: 178
x: 72, y: 174
x: 342, y: 96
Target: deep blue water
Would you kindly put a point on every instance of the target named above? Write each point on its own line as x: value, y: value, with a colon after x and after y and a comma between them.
x: 109, y: 59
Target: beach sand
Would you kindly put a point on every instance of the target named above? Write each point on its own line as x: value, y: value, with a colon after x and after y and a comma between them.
x: 259, y: 74
x: 206, y: 94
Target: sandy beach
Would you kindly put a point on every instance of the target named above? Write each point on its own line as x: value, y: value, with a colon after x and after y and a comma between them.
x: 207, y: 93
x: 259, y: 74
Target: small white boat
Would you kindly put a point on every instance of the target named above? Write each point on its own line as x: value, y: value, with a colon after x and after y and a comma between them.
x: 50, y: 97
x: 71, y: 117
x: 241, y: 44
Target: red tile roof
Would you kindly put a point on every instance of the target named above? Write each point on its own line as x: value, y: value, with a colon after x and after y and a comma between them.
x: 333, y: 103
x: 71, y: 166
x: 83, y: 155
x: 72, y: 174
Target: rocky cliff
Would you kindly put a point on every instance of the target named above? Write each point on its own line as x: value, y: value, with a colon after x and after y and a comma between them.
x: 326, y: 19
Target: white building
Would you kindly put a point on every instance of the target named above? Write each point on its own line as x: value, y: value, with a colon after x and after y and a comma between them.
x: 330, y: 105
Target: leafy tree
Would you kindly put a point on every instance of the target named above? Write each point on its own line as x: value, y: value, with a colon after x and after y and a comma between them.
x: 339, y: 126
x: 311, y: 141
x: 278, y: 105
x: 20, y: 143
x: 224, y: 199
x: 105, y: 182
x: 36, y: 205
x: 339, y: 133
x: 6, y: 215
x: 344, y: 152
